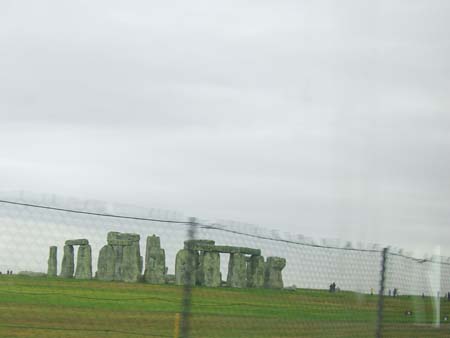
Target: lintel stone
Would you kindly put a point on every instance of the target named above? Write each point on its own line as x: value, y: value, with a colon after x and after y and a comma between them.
x: 227, y: 249
x: 120, y: 242
x: 113, y: 235
x: 81, y: 241
x: 195, y: 242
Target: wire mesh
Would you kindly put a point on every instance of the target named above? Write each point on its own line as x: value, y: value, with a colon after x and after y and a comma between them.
x: 417, y: 301
x: 329, y: 290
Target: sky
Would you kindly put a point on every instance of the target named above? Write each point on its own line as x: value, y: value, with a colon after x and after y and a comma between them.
x: 321, y: 118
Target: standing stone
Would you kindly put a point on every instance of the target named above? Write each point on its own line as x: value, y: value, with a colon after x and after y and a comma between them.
x: 199, y: 275
x: 209, y: 269
x: 186, y: 264
x: 155, y: 261
x: 52, y: 262
x: 131, y: 263
x: 68, y: 262
x: 121, y: 259
x: 84, y: 262
x: 255, y: 272
x: 106, y: 263
x: 237, y: 271
x: 118, y: 258
x: 273, y: 278
x: 141, y: 263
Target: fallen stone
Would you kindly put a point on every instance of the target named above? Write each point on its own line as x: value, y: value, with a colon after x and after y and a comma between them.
x: 77, y: 242
x: 84, y: 262
x: 155, y: 261
x: 68, y: 263
x: 255, y: 272
x: 32, y: 274
x: 186, y: 263
x: 273, y: 278
x: 237, y: 271
x: 52, y: 262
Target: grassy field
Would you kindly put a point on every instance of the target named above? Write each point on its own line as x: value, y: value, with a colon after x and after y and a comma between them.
x: 41, y: 307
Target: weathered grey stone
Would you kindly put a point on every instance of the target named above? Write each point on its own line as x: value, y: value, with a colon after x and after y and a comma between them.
x: 237, y: 271
x: 155, y: 261
x: 170, y: 279
x: 131, y: 263
x: 199, y: 276
x: 273, y: 278
x: 225, y: 249
x: 106, y: 266
x: 122, y: 236
x: 120, y: 242
x: 209, y: 269
x: 238, y: 249
x: 81, y: 241
x: 153, y: 243
x: 84, y: 262
x: 195, y: 242
x: 118, y: 259
x: 141, y: 263
x: 52, y: 262
x: 186, y: 264
x: 255, y: 272
x: 68, y: 262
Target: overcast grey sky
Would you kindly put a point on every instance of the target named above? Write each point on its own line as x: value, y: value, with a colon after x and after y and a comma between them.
x: 322, y: 118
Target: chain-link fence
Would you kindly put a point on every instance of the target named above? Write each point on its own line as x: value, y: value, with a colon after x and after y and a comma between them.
x: 231, y: 287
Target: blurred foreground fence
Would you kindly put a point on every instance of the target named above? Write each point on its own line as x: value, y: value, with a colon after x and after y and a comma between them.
x: 328, y: 290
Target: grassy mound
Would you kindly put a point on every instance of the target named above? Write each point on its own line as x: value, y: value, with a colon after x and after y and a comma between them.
x: 51, y: 307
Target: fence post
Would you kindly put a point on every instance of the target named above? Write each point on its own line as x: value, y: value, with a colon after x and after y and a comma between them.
x: 381, y: 294
x: 187, y: 288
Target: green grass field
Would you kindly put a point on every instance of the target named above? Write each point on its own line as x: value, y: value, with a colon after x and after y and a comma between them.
x: 41, y: 307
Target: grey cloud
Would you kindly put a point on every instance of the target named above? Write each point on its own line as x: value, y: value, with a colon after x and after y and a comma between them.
x: 317, y: 117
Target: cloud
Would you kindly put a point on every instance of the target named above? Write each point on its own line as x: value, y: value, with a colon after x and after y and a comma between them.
x: 324, y: 119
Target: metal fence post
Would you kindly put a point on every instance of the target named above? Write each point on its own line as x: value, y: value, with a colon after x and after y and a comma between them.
x: 378, y: 333
x: 187, y: 287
